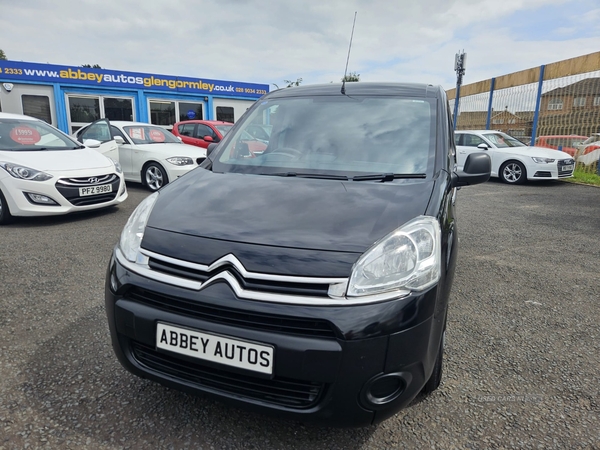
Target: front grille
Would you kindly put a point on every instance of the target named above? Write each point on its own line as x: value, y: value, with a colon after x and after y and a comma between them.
x: 565, y: 162
x: 307, y: 289
x: 230, y: 316
x: 69, y: 189
x: 88, y: 181
x: 278, y: 391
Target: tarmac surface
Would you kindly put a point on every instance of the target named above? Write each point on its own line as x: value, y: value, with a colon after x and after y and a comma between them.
x: 522, y: 347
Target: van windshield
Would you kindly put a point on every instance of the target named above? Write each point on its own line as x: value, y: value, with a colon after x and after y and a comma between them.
x: 337, y: 135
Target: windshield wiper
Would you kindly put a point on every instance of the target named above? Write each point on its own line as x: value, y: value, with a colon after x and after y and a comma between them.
x: 383, y: 177
x: 308, y: 175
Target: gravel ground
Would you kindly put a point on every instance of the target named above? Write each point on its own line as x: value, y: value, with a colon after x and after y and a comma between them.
x: 522, y: 345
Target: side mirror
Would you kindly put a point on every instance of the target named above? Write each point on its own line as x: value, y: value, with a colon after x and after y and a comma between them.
x: 92, y: 143
x: 119, y: 140
x: 179, y: 137
x: 483, y: 146
x: 211, y: 147
x: 477, y: 169
x: 208, y: 139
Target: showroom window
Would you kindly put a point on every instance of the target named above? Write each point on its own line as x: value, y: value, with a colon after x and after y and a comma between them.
x: 86, y: 109
x: 162, y: 112
x: 189, y: 111
x: 37, y: 106
x: 118, y: 108
x: 225, y: 113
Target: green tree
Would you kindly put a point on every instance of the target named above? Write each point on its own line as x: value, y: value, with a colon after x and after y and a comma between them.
x: 290, y: 83
x: 352, y: 76
x: 2, y: 54
x: 95, y: 66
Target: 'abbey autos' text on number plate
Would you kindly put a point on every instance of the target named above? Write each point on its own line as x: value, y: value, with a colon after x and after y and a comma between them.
x: 219, y: 349
x: 95, y: 190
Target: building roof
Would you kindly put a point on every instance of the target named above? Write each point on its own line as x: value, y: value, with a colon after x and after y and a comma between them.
x: 588, y: 86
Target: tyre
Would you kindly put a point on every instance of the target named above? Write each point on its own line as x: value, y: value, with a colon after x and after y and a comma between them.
x: 513, y: 172
x: 154, y: 176
x: 5, y: 216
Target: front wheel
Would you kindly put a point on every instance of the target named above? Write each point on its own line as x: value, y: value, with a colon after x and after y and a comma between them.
x: 5, y: 216
x: 154, y: 176
x: 513, y: 172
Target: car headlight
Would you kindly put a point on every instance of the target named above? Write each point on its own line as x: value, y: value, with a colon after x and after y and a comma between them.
x: 117, y: 165
x: 409, y: 259
x: 25, y: 173
x: 132, y: 234
x: 181, y: 160
x: 542, y: 160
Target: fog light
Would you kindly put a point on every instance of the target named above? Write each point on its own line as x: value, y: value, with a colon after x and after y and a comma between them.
x: 39, y: 199
x: 385, y: 388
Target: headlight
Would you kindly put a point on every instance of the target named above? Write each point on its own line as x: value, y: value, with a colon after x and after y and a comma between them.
x: 117, y: 166
x: 542, y: 160
x: 181, y: 160
x: 25, y: 173
x: 407, y: 259
x: 132, y: 234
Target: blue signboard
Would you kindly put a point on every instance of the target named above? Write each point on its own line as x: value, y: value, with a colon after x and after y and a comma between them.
x: 33, y: 72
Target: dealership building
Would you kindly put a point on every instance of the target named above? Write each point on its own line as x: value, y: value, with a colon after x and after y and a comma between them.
x: 69, y: 97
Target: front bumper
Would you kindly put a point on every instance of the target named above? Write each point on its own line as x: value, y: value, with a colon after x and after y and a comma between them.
x: 66, y: 197
x: 563, y: 168
x: 340, y: 365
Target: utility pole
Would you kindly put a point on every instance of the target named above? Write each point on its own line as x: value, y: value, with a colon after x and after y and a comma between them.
x: 460, y: 64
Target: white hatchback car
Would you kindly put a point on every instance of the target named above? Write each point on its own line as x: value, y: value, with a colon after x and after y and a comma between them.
x: 148, y: 154
x: 512, y: 161
x: 45, y: 172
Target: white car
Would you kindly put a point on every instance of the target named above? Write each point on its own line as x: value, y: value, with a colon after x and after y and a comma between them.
x: 588, y: 152
x: 512, y: 161
x: 148, y: 154
x: 45, y: 172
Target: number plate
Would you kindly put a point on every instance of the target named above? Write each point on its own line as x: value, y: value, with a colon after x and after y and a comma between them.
x: 219, y: 349
x: 567, y: 168
x: 95, y: 190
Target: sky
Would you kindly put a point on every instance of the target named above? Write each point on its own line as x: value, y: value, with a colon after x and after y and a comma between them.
x: 269, y: 41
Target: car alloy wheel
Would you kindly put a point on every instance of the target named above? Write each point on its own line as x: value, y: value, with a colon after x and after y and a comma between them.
x: 513, y: 173
x: 155, y: 177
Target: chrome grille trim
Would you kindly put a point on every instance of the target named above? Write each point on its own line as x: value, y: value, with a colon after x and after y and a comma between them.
x: 141, y: 268
x: 230, y: 259
x: 85, y: 181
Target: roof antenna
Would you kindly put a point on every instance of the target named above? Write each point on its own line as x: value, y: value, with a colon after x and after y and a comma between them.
x: 348, y: 58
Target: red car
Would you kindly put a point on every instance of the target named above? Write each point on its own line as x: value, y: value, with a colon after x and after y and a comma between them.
x: 201, y: 132
x: 204, y: 132
x: 566, y: 143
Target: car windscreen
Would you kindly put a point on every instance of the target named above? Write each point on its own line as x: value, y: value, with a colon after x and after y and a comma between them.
x: 223, y: 129
x: 31, y: 135
x: 502, y: 140
x: 147, y: 134
x: 337, y: 135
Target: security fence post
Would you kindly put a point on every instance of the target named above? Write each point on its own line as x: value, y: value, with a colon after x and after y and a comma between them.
x: 538, y: 101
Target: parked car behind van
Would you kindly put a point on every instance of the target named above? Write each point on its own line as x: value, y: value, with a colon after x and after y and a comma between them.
x: 310, y: 281
x: 44, y: 172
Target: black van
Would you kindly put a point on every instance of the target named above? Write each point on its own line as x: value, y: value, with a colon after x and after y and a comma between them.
x: 309, y: 278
